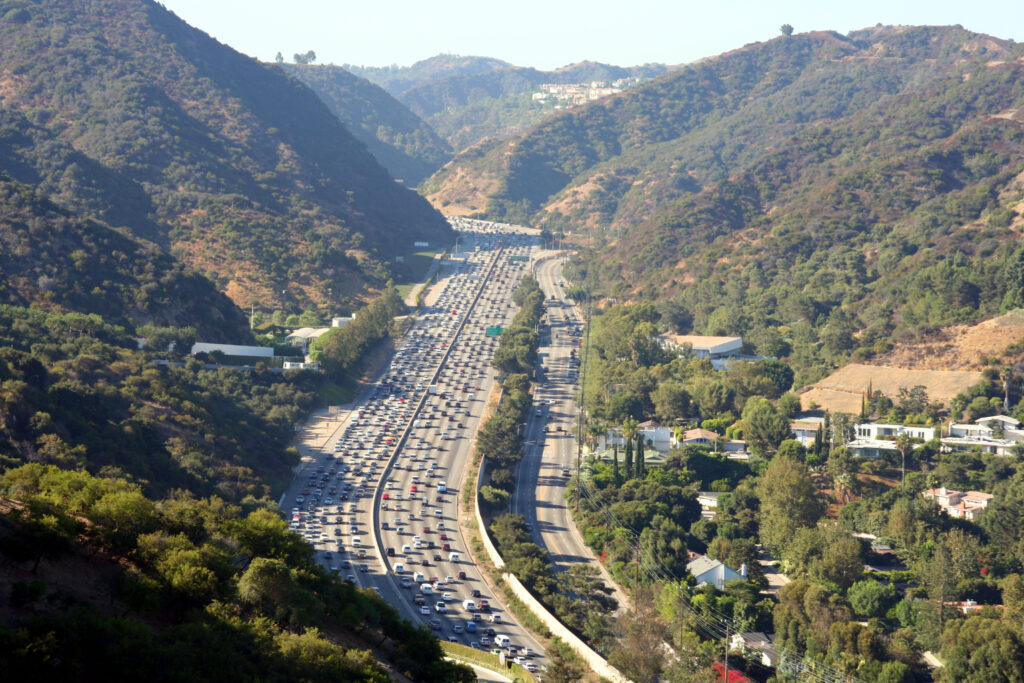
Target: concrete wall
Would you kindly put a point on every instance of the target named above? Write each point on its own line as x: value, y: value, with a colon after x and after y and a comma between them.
x: 595, y: 661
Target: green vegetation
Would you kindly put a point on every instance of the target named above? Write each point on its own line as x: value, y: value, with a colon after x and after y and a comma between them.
x: 134, y: 118
x: 340, y: 350
x: 234, y: 592
x: 803, y: 192
x: 403, y: 144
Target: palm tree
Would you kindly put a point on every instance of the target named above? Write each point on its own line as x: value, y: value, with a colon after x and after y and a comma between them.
x: 904, y: 444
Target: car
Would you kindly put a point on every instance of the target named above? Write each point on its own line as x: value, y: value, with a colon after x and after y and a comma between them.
x: 440, y: 607
x: 424, y: 610
x: 476, y: 593
x: 462, y: 576
x: 470, y: 627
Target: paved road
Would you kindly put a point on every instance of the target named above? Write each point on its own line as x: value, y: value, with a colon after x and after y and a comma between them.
x: 373, y: 493
x: 551, y: 452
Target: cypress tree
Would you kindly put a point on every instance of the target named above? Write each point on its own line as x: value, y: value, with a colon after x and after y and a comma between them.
x: 629, y: 459
x: 640, y: 466
x: 615, y: 462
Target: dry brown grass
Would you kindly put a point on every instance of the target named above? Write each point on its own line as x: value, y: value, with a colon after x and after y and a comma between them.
x: 843, y: 389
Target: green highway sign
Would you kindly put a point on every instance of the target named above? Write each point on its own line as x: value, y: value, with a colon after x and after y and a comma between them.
x: 494, y: 331
x: 518, y: 258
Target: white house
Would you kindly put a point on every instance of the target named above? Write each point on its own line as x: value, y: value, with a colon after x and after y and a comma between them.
x: 996, y: 434
x: 654, y: 435
x: 875, y: 439
x: 804, y: 430
x: 757, y: 642
x: 698, y: 437
x: 708, y: 499
x: 706, y: 570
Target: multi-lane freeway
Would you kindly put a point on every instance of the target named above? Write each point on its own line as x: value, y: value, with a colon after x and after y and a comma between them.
x: 550, y: 450
x: 379, y: 503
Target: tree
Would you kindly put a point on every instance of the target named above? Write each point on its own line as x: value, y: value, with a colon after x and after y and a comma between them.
x: 671, y: 400
x: 639, y: 652
x: 870, y: 598
x: 904, y: 445
x: 565, y: 666
x: 789, y: 501
x: 305, y: 58
x: 640, y: 465
x: 279, y: 58
x: 766, y: 428
x: 980, y: 649
x: 786, y: 30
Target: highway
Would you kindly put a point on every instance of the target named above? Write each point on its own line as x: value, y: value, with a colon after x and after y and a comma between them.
x: 551, y: 449
x: 379, y: 501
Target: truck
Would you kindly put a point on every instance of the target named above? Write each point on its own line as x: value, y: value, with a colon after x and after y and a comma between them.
x: 432, y: 390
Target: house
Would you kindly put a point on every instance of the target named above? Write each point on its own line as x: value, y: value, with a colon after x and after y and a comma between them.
x: 654, y: 435
x: 996, y: 434
x: 755, y: 641
x: 698, y: 437
x: 716, y: 349
x: 706, y: 570
x: 969, y: 505
x: 874, y: 439
x: 341, y: 321
x: 304, y: 336
x: 708, y: 499
x: 805, y: 431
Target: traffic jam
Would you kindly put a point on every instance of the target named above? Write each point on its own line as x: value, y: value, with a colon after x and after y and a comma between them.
x: 379, y: 506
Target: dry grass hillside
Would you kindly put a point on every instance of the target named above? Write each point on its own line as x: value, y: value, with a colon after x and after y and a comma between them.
x: 945, y: 363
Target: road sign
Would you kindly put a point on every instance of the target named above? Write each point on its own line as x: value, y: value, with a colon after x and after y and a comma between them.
x: 494, y: 331
x: 519, y: 258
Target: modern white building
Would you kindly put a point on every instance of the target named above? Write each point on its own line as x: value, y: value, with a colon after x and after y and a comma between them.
x: 703, y: 347
x: 997, y: 434
x: 873, y: 440
x: 233, y: 349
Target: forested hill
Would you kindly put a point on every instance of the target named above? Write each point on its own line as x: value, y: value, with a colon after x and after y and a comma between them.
x: 54, y: 260
x: 397, y: 79
x: 125, y: 112
x: 862, y: 184
x: 407, y: 147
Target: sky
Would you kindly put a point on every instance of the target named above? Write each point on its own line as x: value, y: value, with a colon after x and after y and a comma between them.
x: 547, y: 34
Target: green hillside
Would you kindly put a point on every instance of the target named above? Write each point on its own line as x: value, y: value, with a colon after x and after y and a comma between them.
x: 407, y: 147
x: 397, y: 79
x: 807, y: 188
x: 237, y: 168
x: 56, y: 261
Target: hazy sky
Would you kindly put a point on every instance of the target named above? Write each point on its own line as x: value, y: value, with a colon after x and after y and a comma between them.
x: 551, y: 33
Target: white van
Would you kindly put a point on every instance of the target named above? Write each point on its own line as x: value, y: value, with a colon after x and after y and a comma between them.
x: 469, y: 605
x: 399, y: 568
x: 502, y: 641
x: 418, y: 577
x: 426, y: 589
x: 453, y: 557
x: 356, y: 540
x: 495, y: 618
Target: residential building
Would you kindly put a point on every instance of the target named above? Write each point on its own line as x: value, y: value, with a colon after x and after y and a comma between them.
x: 703, y: 347
x: 655, y: 436
x: 805, y: 430
x: 698, y: 437
x: 708, y: 499
x: 755, y: 641
x: 876, y: 439
x: 714, y: 572
x: 958, y: 504
x: 996, y: 434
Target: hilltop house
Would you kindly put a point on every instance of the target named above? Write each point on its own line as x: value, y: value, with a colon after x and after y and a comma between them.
x: 757, y: 642
x: 717, y: 349
x: 655, y: 436
x: 875, y: 439
x: 996, y: 434
x: 969, y: 505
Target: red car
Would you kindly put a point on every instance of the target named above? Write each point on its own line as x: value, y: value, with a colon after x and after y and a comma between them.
x: 386, y: 496
x: 413, y: 488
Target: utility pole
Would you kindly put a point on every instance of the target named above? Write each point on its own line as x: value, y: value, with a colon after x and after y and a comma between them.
x: 725, y: 676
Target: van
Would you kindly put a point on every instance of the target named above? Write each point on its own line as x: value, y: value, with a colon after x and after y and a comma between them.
x: 442, y: 486
x: 399, y: 568
x: 426, y: 589
x: 502, y: 641
x: 495, y: 618
x: 469, y: 605
x: 418, y: 577
x: 453, y: 557
x: 356, y: 540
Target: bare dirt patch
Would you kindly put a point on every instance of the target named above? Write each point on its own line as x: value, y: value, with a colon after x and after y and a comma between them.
x: 843, y: 389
